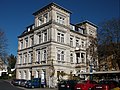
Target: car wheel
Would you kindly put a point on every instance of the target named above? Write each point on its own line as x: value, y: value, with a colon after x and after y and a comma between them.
x: 33, y: 87
x: 26, y: 86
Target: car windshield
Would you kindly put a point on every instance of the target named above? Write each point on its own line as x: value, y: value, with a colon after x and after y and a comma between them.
x: 103, y: 82
x: 63, y: 82
x: 82, y: 82
x: 29, y: 81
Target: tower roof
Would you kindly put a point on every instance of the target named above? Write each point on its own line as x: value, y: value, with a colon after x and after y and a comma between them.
x: 49, y: 5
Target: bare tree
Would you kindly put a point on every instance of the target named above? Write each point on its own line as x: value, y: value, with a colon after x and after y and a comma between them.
x: 109, y: 34
x: 12, y: 61
x: 92, y: 54
x: 3, y: 45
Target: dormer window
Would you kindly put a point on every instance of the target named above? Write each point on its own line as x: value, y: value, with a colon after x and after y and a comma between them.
x: 28, y: 29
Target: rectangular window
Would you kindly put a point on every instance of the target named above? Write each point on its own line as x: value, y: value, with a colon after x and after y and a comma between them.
x: 45, y: 17
x: 40, y: 20
x: 40, y: 38
x: 60, y: 55
x: 30, y: 57
x: 77, y: 58
x: 77, y: 43
x: 45, y: 55
x: 31, y: 41
x: 20, y: 59
x: 60, y: 19
x: 45, y: 35
x: 82, y: 44
x: 21, y: 44
x: 26, y: 42
x: 83, y: 57
x: 38, y: 56
x: 71, y: 41
x: 60, y: 37
x: 71, y: 57
x: 25, y: 59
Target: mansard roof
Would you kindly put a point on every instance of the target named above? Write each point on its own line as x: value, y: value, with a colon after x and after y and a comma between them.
x: 49, y: 5
x: 27, y: 31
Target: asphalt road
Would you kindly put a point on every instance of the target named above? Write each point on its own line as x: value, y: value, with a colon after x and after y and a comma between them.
x: 4, y: 85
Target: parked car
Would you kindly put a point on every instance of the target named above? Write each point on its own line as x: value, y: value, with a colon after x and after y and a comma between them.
x: 16, y: 82
x: 106, y: 85
x: 66, y: 85
x: 85, y: 85
x: 34, y: 83
x: 23, y: 82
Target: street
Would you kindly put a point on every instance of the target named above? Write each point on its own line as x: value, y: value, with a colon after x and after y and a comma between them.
x: 5, y: 85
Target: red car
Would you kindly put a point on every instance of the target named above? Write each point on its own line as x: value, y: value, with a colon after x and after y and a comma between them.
x: 106, y: 85
x: 85, y: 85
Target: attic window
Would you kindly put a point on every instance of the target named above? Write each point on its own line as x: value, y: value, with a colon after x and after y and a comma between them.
x: 28, y: 29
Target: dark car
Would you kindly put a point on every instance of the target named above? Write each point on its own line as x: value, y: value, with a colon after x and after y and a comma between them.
x: 106, y: 85
x: 66, y: 85
x: 23, y: 82
x: 34, y: 83
x: 28, y: 84
x: 16, y: 82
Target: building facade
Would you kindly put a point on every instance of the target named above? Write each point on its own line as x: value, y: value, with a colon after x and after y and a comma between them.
x: 52, y: 45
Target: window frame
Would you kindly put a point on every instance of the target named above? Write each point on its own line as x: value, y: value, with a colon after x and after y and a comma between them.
x: 60, y: 37
x: 60, y: 55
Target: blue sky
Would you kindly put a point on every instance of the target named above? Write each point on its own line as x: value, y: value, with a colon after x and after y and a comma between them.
x: 16, y: 15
